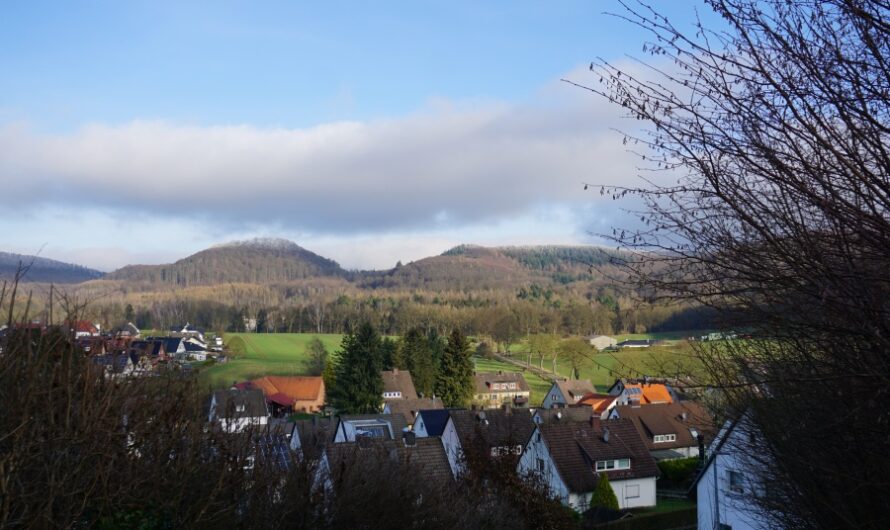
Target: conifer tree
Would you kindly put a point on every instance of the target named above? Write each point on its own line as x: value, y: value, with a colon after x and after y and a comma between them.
x: 418, y: 359
x: 604, y: 495
x: 358, y: 386
x: 455, y: 382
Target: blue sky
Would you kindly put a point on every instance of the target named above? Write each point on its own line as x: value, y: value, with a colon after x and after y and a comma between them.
x: 371, y: 132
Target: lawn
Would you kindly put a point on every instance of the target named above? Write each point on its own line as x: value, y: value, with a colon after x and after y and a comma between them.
x: 266, y: 354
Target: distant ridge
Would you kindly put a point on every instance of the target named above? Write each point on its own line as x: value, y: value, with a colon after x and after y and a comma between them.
x: 258, y: 261
x: 44, y: 270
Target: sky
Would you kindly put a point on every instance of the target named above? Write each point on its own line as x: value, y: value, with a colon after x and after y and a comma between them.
x: 368, y: 132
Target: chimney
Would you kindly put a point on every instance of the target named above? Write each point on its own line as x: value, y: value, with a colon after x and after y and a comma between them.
x: 395, y: 371
x: 558, y: 415
x: 410, y: 438
x: 683, y: 415
x: 594, y: 422
x: 606, y: 435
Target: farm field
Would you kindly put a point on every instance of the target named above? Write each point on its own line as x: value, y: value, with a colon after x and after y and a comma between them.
x: 265, y: 354
x: 603, y: 368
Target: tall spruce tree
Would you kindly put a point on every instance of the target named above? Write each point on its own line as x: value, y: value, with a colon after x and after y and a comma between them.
x: 358, y: 386
x: 455, y: 382
x: 418, y: 359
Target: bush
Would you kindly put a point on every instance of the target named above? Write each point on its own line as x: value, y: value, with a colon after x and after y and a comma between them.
x: 680, y: 471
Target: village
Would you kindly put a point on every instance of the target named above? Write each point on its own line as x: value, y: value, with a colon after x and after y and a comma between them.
x: 630, y: 439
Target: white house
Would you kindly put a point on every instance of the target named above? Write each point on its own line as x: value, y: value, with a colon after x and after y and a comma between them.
x: 727, y: 485
x: 570, y: 457
x: 566, y: 392
x: 236, y: 410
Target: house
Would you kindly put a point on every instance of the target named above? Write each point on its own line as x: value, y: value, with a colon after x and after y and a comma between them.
x: 286, y: 394
x: 188, y: 331
x: 194, y: 349
x: 635, y: 343
x: 398, y: 384
x: 128, y: 330
x: 384, y: 426
x: 669, y: 430
x: 599, y: 404
x: 727, y: 485
x: 642, y: 392
x: 410, y: 407
x: 82, y: 328
x: 174, y: 346
x: 566, y: 392
x: 602, y: 342
x: 309, y: 438
x: 91, y: 345
x: 431, y: 422
x: 493, y: 390
x: 235, y: 410
x: 570, y: 457
x: 378, y: 459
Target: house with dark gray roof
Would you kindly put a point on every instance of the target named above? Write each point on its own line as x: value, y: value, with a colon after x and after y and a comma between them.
x: 235, y: 410
x: 382, y: 426
x: 379, y: 458
x: 398, y: 384
x: 410, y: 407
x: 495, y: 389
x: 431, y: 422
x: 570, y: 457
x: 309, y: 438
x: 565, y: 392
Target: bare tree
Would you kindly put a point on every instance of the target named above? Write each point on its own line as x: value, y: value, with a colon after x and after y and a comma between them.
x: 777, y: 124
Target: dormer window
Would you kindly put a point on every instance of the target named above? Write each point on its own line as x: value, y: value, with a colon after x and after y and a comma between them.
x: 661, y: 438
x: 609, y: 465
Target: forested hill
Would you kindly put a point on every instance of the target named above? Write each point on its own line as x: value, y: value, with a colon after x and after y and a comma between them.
x: 258, y: 261
x: 44, y: 270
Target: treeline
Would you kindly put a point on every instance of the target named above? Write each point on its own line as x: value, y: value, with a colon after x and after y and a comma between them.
x: 502, y: 318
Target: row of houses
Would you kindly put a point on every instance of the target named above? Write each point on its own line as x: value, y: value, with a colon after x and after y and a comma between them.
x: 568, y: 446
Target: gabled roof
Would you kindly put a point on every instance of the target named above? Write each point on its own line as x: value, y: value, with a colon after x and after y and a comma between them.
x: 228, y: 402
x: 494, y: 427
x: 576, y: 447
x: 409, y: 407
x: 575, y: 389
x: 434, y: 421
x: 426, y: 457
x: 647, y: 391
x: 294, y: 388
x: 171, y: 344
x: 396, y: 421
x: 672, y: 418
x: 483, y: 382
x: 563, y: 414
x: 396, y: 380
x: 597, y: 402
x: 315, y: 435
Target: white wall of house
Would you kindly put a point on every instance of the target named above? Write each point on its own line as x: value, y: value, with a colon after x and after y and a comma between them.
x: 419, y: 427
x: 453, y: 449
x: 537, y: 464
x: 720, y: 501
x: 635, y: 493
x: 554, y: 397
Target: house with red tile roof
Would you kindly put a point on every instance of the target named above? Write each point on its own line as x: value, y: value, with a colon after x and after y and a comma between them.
x: 290, y: 393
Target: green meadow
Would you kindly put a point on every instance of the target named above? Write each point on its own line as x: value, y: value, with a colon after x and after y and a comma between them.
x: 264, y: 354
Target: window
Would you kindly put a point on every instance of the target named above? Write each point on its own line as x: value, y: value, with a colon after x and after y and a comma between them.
x: 659, y: 438
x: 239, y: 408
x: 608, y: 465
x: 631, y: 492
x: 512, y: 386
x: 735, y: 482
x: 540, y: 465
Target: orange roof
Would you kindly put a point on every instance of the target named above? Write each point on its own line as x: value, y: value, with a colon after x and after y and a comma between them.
x: 652, y: 393
x: 597, y: 402
x: 299, y: 388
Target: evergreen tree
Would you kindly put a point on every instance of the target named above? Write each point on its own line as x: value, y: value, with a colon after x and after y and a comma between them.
x: 455, y: 382
x: 129, y: 313
x: 392, y: 356
x: 418, y: 359
x: 604, y: 495
x: 358, y: 386
x: 318, y: 356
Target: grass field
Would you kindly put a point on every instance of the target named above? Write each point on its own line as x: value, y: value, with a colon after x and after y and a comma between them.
x: 266, y: 354
x: 673, y: 358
